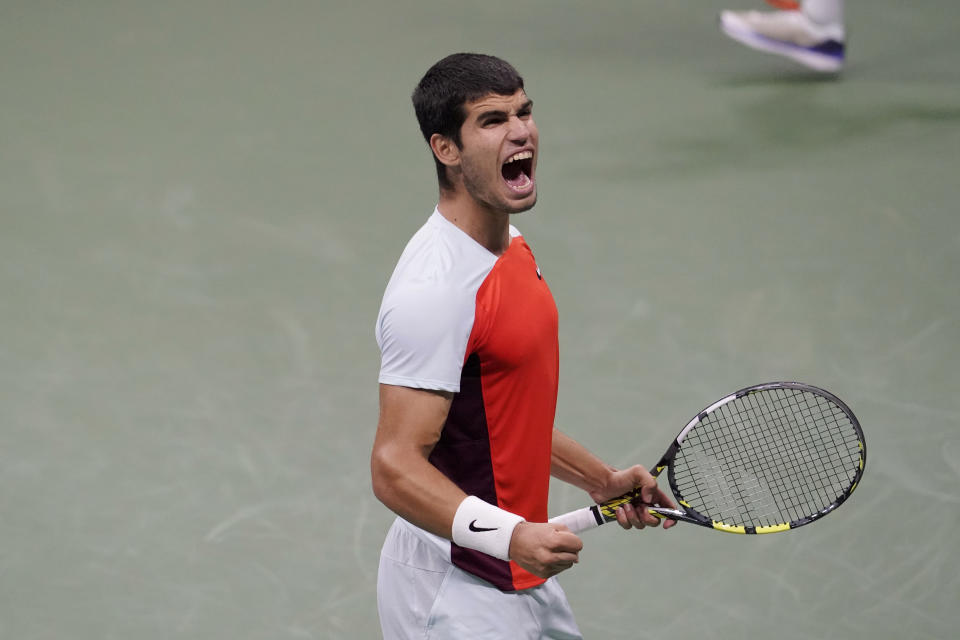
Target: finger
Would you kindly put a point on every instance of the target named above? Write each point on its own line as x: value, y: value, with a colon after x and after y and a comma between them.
x: 649, y: 519
x: 664, y: 500
x: 568, y: 559
x: 559, y: 563
x: 634, y: 516
x: 622, y: 518
x: 650, y: 493
x: 565, y: 541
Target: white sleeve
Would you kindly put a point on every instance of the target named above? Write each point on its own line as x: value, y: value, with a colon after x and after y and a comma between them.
x: 423, y: 332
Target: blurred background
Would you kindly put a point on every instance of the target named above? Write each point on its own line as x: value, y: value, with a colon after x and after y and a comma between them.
x: 201, y: 203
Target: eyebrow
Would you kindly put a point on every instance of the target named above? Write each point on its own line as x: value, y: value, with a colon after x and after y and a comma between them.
x: 499, y: 113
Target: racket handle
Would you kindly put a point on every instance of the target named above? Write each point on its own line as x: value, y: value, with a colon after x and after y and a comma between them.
x: 595, y: 515
x: 591, y: 517
x: 579, y: 520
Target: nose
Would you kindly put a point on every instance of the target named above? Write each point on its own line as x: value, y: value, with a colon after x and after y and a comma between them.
x: 519, y: 130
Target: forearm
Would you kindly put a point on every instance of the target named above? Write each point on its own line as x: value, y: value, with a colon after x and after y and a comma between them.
x: 573, y: 463
x: 406, y: 482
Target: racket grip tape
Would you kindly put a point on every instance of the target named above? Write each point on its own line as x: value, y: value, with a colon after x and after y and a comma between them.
x: 580, y: 520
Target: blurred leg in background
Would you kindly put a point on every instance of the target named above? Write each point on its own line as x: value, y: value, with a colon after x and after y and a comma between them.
x: 810, y: 32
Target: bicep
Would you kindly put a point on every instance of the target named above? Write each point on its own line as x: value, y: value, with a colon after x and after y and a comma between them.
x: 413, y: 418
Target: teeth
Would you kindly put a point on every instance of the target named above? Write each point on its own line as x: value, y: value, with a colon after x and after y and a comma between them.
x: 523, y: 155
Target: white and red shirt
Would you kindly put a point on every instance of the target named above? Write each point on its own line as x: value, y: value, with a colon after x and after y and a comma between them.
x: 458, y: 318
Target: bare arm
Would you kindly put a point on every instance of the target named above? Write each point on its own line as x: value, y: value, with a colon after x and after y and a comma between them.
x: 403, y: 478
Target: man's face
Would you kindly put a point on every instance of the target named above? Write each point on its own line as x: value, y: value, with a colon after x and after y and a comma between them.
x: 498, y: 152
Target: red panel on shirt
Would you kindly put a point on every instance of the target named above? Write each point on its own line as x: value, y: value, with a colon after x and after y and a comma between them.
x: 515, y: 337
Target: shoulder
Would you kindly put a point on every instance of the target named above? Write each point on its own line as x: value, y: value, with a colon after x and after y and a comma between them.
x: 439, y: 267
x: 428, y: 308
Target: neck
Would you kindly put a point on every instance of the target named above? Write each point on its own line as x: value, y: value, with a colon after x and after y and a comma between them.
x: 490, y: 228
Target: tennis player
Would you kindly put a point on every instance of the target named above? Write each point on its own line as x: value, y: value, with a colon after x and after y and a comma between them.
x: 465, y: 444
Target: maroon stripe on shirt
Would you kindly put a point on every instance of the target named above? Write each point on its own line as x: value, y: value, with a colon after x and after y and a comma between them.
x: 463, y: 455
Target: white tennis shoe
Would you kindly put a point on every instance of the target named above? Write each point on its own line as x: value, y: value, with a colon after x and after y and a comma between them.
x: 788, y: 33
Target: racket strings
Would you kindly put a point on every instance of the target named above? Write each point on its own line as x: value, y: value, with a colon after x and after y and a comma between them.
x: 811, y: 472
x: 768, y: 458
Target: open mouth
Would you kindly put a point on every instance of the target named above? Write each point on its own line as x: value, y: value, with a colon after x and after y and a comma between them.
x: 517, y: 171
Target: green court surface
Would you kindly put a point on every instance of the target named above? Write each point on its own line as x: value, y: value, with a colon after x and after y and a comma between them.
x: 201, y: 203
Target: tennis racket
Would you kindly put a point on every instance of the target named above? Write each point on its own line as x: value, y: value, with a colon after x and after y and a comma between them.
x: 768, y: 458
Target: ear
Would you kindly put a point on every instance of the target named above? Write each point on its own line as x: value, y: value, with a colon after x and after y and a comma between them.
x: 445, y: 150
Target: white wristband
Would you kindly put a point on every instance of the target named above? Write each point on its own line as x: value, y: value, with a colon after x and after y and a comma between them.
x: 481, y: 526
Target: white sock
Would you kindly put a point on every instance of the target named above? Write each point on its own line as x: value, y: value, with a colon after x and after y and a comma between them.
x: 823, y: 11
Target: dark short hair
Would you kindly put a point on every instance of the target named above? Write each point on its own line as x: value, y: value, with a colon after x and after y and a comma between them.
x: 441, y: 94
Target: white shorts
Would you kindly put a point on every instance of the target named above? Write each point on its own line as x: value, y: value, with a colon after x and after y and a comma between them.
x: 421, y: 595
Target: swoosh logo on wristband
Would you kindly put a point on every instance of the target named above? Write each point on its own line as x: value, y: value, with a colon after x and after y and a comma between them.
x: 473, y: 527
